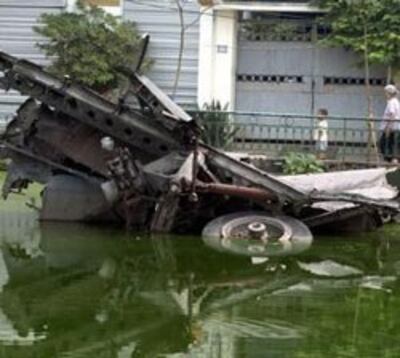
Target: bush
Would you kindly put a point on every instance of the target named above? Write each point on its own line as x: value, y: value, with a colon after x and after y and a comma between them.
x: 218, y: 131
x: 299, y: 163
x: 88, y: 45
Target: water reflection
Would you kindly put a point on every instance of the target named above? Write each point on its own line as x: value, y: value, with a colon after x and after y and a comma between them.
x: 79, y: 291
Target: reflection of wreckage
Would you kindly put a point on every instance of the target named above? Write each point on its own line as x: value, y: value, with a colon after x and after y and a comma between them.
x: 143, y: 164
x: 164, y: 295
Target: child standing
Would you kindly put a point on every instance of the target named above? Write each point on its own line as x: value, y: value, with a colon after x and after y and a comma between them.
x: 390, y: 128
x: 321, y: 133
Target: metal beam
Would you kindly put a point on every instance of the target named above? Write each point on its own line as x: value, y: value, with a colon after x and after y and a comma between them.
x: 87, y: 106
x: 253, y: 175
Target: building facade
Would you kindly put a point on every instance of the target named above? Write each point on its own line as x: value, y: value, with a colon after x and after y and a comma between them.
x: 261, y: 56
x: 17, y: 18
x: 267, y: 56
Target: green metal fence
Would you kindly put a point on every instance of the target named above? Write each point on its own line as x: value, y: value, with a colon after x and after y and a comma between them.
x: 349, y: 139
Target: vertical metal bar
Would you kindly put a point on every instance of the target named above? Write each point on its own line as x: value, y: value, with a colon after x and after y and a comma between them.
x: 285, y: 140
x: 269, y: 130
x: 344, y: 140
x: 311, y: 134
x: 262, y: 141
x: 253, y: 133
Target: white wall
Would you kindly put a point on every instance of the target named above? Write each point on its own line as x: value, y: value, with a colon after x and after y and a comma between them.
x: 217, y: 57
x: 114, y: 10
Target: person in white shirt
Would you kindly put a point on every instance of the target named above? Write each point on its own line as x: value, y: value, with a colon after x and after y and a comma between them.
x: 321, y: 133
x: 390, y: 125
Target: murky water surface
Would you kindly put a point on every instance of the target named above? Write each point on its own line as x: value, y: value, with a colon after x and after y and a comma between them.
x: 79, y: 291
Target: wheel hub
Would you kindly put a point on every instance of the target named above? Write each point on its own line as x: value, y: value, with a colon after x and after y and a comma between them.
x: 256, y: 234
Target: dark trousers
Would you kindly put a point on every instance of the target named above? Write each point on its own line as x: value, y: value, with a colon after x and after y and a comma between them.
x: 388, y: 145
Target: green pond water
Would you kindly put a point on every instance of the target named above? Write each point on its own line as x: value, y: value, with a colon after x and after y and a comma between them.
x: 81, y: 291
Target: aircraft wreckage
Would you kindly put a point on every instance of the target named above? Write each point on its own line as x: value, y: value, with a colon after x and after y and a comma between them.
x: 143, y: 165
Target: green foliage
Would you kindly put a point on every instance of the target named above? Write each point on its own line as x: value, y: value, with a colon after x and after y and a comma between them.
x: 3, y: 165
x: 218, y: 130
x: 300, y: 163
x: 360, y: 23
x: 88, y: 45
x: 268, y: 31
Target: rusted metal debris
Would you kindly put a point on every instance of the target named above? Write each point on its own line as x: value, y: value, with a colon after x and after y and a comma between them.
x: 141, y: 165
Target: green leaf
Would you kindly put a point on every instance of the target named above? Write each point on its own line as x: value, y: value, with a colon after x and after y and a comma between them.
x: 88, y: 45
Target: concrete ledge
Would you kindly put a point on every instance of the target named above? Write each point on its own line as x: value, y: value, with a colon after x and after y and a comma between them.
x: 268, y: 7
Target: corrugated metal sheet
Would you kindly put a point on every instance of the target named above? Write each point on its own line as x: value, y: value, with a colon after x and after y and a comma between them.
x: 300, y: 77
x: 17, y: 18
x: 160, y: 19
x: 32, y: 3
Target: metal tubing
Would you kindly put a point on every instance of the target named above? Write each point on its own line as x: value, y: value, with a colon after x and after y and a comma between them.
x: 235, y: 190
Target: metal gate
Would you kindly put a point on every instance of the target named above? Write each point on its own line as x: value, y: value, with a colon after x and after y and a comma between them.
x: 281, y: 68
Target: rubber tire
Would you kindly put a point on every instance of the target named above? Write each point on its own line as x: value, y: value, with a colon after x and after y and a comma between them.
x: 301, y: 237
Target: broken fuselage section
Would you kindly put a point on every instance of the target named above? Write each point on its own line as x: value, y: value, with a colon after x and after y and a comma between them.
x: 144, y: 165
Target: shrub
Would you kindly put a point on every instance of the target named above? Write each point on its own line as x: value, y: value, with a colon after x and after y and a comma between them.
x: 300, y: 163
x: 88, y: 45
x: 218, y: 130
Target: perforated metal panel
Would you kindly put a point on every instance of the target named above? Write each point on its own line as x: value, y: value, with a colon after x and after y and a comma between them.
x: 288, y: 72
x: 17, y: 18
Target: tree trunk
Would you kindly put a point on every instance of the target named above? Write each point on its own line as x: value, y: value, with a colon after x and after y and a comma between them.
x: 389, y: 75
x: 181, y: 46
x: 371, y: 126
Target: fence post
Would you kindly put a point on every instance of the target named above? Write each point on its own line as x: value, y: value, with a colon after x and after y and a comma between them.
x: 344, y: 140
